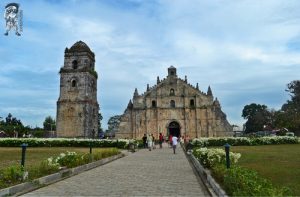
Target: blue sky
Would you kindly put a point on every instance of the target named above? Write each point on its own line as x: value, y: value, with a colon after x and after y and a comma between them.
x: 247, y: 51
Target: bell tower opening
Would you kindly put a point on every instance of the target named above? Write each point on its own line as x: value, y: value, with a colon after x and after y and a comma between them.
x: 174, y: 129
x: 172, y: 71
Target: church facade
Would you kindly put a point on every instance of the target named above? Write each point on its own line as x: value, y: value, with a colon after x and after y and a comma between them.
x: 77, y: 106
x: 173, y: 107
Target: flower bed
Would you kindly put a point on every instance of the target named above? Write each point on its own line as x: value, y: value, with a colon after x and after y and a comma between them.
x: 244, y: 141
x: 211, y: 157
x: 16, y: 174
x: 64, y: 142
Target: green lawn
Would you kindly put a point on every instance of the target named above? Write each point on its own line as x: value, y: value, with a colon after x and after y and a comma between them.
x: 278, y: 163
x: 10, y: 156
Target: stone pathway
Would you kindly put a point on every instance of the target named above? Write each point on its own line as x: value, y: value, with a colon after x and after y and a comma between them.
x: 145, y: 173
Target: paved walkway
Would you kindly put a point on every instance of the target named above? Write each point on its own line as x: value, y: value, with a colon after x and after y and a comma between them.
x: 145, y: 173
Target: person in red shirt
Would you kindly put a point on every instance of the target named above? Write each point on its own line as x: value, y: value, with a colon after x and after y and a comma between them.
x: 161, y: 139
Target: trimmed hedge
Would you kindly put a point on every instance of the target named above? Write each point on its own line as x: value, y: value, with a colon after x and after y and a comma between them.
x: 244, y: 141
x: 63, y: 142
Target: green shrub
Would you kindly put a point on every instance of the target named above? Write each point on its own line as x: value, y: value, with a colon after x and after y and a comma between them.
x: 239, y: 181
x: 210, y: 157
x: 43, y: 169
x: 73, y: 159
x: 218, y: 172
x: 105, y: 153
x: 69, y: 159
x: 11, y: 175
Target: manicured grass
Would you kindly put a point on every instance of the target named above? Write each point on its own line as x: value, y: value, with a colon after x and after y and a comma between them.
x: 278, y: 163
x: 12, y: 156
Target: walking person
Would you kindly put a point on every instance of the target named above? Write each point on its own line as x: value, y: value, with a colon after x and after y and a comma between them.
x: 170, y: 140
x: 149, y: 141
x: 153, y: 142
x: 161, y: 139
x: 144, y: 141
x: 174, y: 143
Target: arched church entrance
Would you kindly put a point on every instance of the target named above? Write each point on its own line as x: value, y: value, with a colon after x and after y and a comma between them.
x: 174, y: 129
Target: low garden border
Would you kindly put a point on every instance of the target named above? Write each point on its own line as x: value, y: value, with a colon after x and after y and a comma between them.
x: 206, y: 177
x: 49, y: 179
x: 212, y: 186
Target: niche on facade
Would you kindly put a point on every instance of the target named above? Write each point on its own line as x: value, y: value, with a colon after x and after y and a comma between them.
x: 172, y: 92
x: 153, y: 103
x: 172, y: 103
x: 192, y: 103
x: 75, y: 64
x: 74, y: 83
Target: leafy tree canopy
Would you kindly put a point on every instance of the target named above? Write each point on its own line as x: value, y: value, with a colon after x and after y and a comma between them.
x: 49, y: 124
x: 113, y: 123
x: 258, y: 116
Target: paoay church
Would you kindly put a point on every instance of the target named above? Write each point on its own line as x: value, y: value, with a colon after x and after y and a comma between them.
x: 173, y: 107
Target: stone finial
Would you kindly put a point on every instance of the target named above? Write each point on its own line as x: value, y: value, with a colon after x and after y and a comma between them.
x: 157, y: 80
x: 209, y: 92
x: 148, y: 88
x: 185, y: 79
x: 217, y: 103
x: 135, y: 93
x: 197, y: 86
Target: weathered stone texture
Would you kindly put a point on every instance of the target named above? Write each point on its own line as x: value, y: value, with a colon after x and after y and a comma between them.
x: 77, y: 107
x: 173, y: 101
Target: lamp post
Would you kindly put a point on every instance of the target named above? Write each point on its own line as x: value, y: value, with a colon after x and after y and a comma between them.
x: 24, y: 146
x: 227, y: 146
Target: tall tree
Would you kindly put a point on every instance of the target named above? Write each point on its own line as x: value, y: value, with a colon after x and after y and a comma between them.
x: 113, y: 123
x: 257, y: 117
x: 289, y: 116
x: 12, y: 126
x: 49, y: 124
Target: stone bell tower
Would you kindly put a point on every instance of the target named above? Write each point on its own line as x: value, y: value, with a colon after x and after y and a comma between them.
x: 77, y: 106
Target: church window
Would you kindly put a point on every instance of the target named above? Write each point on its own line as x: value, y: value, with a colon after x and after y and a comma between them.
x: 172, y: 103
x: 153, y: 103
x: 74, y: 83
x: 172, y: 92
x: 172, y: 73
x: 192, y: 103
x: 75, y: 64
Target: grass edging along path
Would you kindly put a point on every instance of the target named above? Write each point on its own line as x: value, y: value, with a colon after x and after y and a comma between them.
x: 46, y: 180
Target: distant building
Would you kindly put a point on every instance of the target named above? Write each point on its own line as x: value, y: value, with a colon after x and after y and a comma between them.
x: 173, y: 107
x: 77, y: 106
x: 3, y: 134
